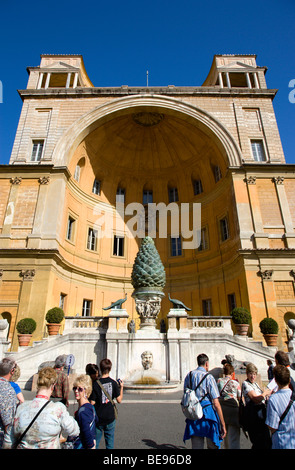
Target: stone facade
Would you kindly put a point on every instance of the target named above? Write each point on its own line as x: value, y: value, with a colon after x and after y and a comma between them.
x: 155, y: 140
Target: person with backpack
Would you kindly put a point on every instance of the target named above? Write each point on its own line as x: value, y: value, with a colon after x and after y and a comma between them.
x: 211, y: 425
x: 104, y: 391
x: 280, y: 412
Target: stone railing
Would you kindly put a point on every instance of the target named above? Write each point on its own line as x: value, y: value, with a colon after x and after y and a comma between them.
x: 84, y: 324
x: 210, y: 324
x: 177, y: 319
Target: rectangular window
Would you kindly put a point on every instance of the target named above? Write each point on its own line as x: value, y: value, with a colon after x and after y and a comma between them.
x: 198, y: 188
x: 147, y: 197
x: 62, y: 300
x: 96, y: 187
x: 70, y: 228
x: 176, y: 247
x: 37, y: 150
x: 92, y: 239
x: 86, y: 308
x: 118, y: 248
x: 204, y: 245
x: 258, y: 150
x: 173, y: 194
x: 120, y: 196
x: 207, y: 307
x: 224, y: 231
x: 231, y: 302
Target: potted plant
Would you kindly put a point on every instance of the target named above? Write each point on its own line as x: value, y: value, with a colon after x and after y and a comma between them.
x: 241, y: 318
x: 269, y: 328
x: 54, y: 317
x: 25, y: 329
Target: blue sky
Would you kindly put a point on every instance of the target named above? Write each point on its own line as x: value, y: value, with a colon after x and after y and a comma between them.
x: 175, y: 41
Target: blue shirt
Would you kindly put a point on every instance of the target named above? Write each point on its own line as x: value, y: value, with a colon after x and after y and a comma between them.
x: 16, y: 387
x: 284, y: 437
x: 208, y: 386
x: 208, y: 425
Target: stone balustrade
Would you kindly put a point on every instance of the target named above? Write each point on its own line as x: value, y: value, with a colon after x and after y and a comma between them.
x: 210, y: 324
x: 177, y: 319
x: 85, y: 323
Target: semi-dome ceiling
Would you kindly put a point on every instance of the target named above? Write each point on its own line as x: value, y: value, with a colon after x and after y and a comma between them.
x: 149, y: 141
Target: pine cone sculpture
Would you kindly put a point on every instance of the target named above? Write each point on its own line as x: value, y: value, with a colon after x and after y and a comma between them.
x: 148, y: 270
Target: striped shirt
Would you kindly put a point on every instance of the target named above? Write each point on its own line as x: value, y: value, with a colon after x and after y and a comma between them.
x: 208, y: 386
x: 284, y: 437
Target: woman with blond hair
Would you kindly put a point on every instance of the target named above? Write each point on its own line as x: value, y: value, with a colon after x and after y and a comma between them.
x: 53, y: 419
x: 15, y: 386
x: 85, y: 415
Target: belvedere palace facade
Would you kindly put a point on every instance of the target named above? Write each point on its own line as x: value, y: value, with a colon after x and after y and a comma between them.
x: 78, y: 148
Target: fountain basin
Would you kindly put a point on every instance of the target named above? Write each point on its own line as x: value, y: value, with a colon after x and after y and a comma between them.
x: 161, y: 387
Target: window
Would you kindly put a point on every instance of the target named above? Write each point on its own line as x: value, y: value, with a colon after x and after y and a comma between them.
x: 118, y: 248
x: 224, y: 231
x: 231, y: 302
x: 70, y: 228
x: 173, y: 194
x: 207, y: 307
x: 147, y: 197
x: 96, y: 187
x: 176, y: 248
x: 204, y: 245
x: 198, y: 188
x: 86, y: 308
x: 77, y: 173
x: 62, y: 299
x: 37, y: 150
x: 92, y: 239
x: 258, y: 150
x: 120, y: 196
x: 217, y: 173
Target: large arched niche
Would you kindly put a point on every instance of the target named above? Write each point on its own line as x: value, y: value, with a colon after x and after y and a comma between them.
x: 187, y: 119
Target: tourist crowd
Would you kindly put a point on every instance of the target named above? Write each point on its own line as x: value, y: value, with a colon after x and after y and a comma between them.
x: 266, y: 416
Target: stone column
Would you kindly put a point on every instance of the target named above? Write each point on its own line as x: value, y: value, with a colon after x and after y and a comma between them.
x: 34, y: 239
x: 8, y: 220
x: 261, y: 238
x: 25, y: 297
x: 285, y: 211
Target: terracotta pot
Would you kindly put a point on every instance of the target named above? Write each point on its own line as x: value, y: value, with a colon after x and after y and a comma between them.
x: 242, y: 329
x: 53, y: 328
x: 271, y: 339
x: 24, y: 339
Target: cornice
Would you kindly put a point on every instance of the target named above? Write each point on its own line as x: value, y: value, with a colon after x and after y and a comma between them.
x: 91, y: 92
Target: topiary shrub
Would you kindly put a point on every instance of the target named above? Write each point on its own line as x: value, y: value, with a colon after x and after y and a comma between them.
x: 241, y: 316
x: 268, y: 326
x: 55, y: 315
x: 26, y: 326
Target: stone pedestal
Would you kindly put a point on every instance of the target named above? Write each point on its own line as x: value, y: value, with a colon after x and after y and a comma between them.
x: 177, y: 319
x: 4, y: 344
x: 148, y: 305
x: 118, y: 319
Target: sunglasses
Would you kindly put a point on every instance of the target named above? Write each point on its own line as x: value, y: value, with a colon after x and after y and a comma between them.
x: 80, y: 389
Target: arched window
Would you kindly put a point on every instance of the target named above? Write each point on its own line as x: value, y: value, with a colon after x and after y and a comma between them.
x: 78, y: 169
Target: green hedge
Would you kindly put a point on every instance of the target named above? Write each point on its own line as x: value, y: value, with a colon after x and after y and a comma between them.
x: 268, y: 326
x: 240, y: 316
x: 26, y: 326
x: 55, y: 315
